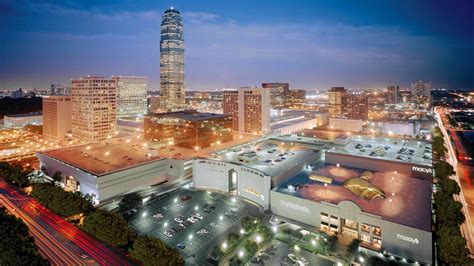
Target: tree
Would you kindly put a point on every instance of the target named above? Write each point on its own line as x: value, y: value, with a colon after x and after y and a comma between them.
x: 452, y: 246
x: 17, y: 247
x: 108, y: 227
x: 331, y: 243
x: 57, y: 177
x: 266, y: 232
x: 129, y: 201
x: 152, y: 251
x: 61, y: 202
x: 443, y: 169
x: 353, y: 247
x: 449, y: 211
x: 450, y: 187
x: 251, y: 246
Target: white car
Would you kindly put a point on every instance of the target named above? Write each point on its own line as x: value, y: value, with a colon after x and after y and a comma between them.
x: 292, y: 257
x: 304, y: 261
x: 197, y: 216
x: 179, y: 220
x: 192, y: 219
x: 168, y: 234
x: 214, y: 224
x: 158, y: 216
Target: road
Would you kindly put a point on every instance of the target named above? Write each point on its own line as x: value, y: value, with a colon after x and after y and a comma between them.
x: 59, y: 241
x: 465, y: 186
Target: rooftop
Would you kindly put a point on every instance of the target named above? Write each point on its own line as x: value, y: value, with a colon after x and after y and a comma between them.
x: 409, y: 151
x: 102, y: 159
x: 395, y: 197
x: 25, y: 115
x: 266, y: 156
x: 188, y: 115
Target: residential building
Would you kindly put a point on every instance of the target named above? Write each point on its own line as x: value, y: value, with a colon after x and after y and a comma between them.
x: 252, y: 106
x: 94, y: 108
x: 57, y: 117
x: 131, y: 96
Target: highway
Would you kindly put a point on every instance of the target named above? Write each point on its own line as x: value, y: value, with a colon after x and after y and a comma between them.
x: 466, y: 228
x: 59, y: 241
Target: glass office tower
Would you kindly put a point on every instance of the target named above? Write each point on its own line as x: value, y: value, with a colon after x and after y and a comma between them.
x: 172, y: 61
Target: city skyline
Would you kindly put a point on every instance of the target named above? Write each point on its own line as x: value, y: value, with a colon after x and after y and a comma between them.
x: 230, y: 45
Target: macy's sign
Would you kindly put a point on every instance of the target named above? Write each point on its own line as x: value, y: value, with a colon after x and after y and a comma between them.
x: 408, y: 239
x: 421, y: 169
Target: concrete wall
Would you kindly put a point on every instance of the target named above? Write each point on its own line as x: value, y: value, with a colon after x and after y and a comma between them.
x: 251, y: 184
x: 12, y: 121
x: 345, y: 124
x: 110, y: 185
x: 397, y: 239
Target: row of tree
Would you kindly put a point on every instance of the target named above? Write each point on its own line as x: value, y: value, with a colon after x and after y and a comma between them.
x: 105, y: 226
x: 452, y: 248
x: 15, y: 174
x: 17, y: 247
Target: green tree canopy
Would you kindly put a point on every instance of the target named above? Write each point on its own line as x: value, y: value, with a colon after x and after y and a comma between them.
x: 17, y: 247
x: 452, y: 246
x: 129, y: 201
x: 108, y: 227
x: 152, y: 251
x: 61, y: 202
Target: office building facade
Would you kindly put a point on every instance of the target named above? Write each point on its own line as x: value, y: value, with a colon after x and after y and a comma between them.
x: 131, y: 96
x: 172, y: 61
x: 57, y: 117
x: 188, y: 129
x: 337, y: 101
x: 357, y: 105
x: 93, y: 108
x: 392, y: 94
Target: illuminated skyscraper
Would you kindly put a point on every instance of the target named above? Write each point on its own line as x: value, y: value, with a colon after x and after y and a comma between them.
x: 337, y: 101
x: 131, y: 96
x: 56, y: 117
x: 172, y: 61
x: 94, y: 108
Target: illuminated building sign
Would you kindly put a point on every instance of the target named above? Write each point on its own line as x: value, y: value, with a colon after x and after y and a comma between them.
x: 421, y: 169
x: 294, y: 206
x: 408, y: 239
x: 252, y: 191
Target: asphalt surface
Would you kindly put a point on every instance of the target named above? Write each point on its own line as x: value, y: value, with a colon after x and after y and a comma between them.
x: 172, y: 205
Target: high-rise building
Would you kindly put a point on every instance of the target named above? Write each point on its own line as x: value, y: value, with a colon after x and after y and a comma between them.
x: 392, y: 94
x: 172, y: 61
x: 421, y: 88
x: 131, y: 96
x: 59, y: 89
x: 278, y: 92
x: 337, y: 101
x: 57, y: 117
x: 357, y: 105
x: 295, y: 98
x: 230, y: 106
x: 94, y: 108
x: 250, y: 109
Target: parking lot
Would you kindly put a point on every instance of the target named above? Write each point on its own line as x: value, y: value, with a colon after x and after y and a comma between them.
x: 190, y: 221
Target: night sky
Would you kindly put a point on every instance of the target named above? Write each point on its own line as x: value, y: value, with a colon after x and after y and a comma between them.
x: 311, y: 44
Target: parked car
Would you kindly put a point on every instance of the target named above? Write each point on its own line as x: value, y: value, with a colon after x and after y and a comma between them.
x: 185, y: 198
x: 181, y: 246
x: 292, y: 257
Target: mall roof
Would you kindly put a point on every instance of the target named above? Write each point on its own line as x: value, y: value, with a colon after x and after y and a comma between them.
x: 391, y: 149
x: 102, y: 159
x: 399, y: 198
x: 25, y: 115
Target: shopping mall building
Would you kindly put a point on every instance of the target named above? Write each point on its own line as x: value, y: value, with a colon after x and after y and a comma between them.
x: 377, y: 190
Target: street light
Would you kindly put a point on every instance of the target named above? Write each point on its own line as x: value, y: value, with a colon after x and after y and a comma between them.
x: 242, y: 231
x: 258, y: 239
x: 313, y: 242
x: 166, y: 224
x: 241, y: 253
x: 190, y: 237
x: 274, y: 229
x: 224, y: 245
x: 221, y: 217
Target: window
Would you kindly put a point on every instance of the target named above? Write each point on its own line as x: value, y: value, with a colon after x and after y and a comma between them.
x: 366, y: 228
x: 377, y: 231
x: 365, y: 238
